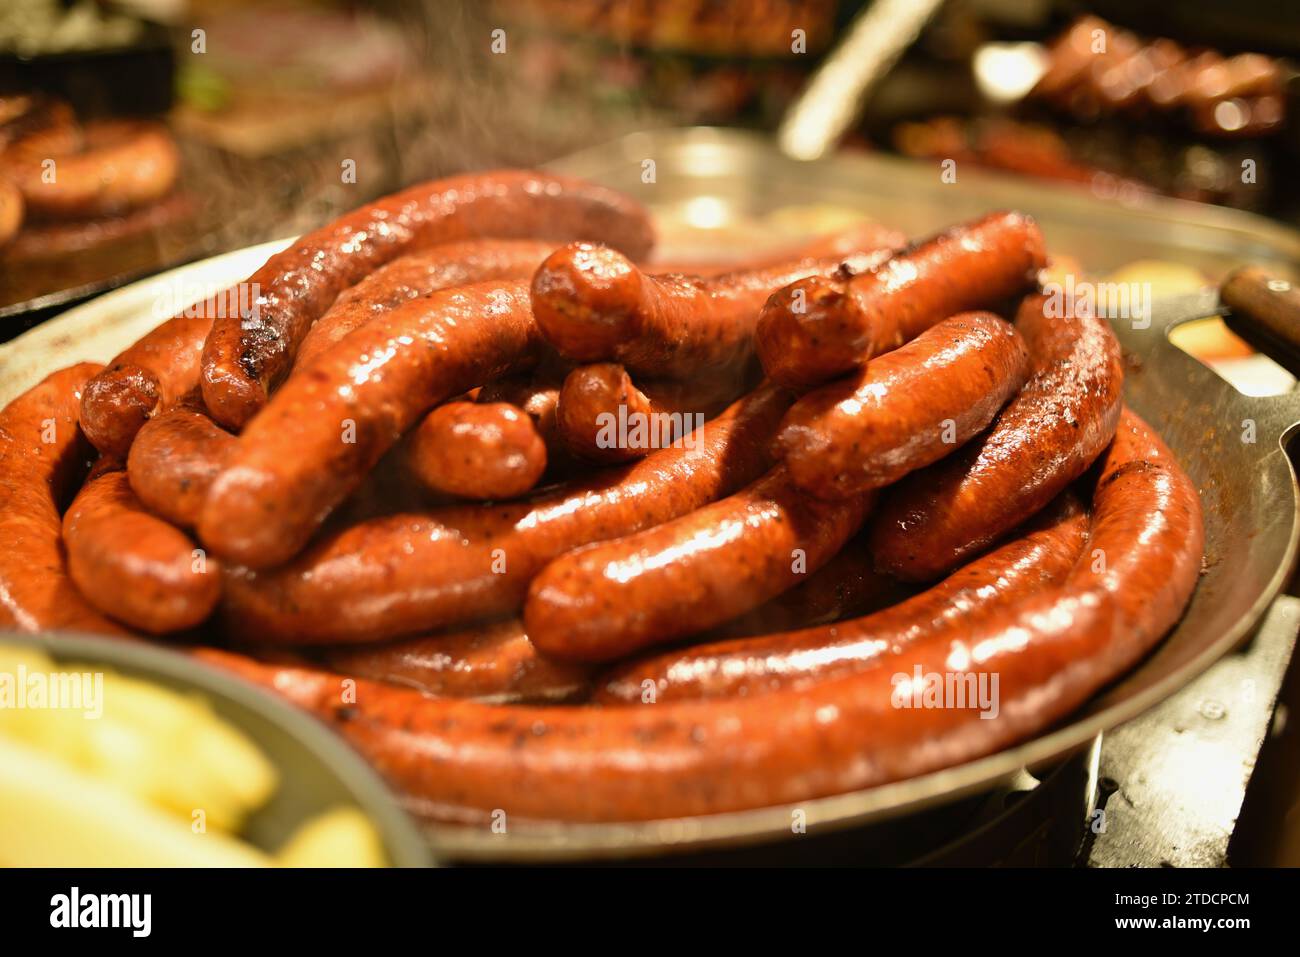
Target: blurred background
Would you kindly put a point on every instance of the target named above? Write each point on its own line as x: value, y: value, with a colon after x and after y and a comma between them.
x: 286, y: 112
x: 281, y: 114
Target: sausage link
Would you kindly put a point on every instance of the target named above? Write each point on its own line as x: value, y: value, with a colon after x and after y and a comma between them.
x: 410, y: 573
x: 247, y: 356
x: 820, y: 328
x: 11, y: 212
x: 679, y: 578
x: 603, y: 417
x: 593, y: 305
x: 845, y: 587
x: 43, y: 457
x: 46, y: 243
x: 907, y: 409
x: 173, y: 461
x: 476, y: 450
x: 1042, y: 557
x: 494, y: 662
x: 122, y: 165
x: 1044, y: 439
x: 418, y: 274
x: 321, y: 433
x: 150, y: 375
x: 462, y: 760
x: 132, y: 566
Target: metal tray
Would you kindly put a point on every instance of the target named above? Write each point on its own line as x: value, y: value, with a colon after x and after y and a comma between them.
x: 710, y: 183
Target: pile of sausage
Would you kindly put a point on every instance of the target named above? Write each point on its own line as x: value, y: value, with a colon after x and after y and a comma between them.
x: 382, y: 490
x: 67, y: 187
x: 1095, y: 68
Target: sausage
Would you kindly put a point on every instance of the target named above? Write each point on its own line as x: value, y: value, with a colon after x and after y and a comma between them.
x: 683, y: 576
x: 476, y: 450
x: 907, y: 409
x: 320, y: 435
x: 248, y: 356
x: 593, y: 305
x: 11, y: 212
x: 418, y: 274
x: 465, y: 760
x: 30, y: 122
x: 493, y: 662
x: 847, y: 586
x: 1040, y: 558
x: 174, y: 459
x: 416, y: 572
x: 818, y: 328
x: 47, y: 242
x: 1045, y: 438
x: 132, y: 566
x: 149, y: 375
x: 122, y: 165
x: 43, y: 457
x: 602, y: 417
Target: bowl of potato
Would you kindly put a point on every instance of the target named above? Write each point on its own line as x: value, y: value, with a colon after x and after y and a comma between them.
x: 122, y: 754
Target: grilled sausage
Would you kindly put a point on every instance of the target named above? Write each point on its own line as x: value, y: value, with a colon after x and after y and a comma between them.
x: 132, y: 566
x: 121, y: 165
x: 603, y: 417
x: 494, y: 662
x: 679, y: 578
x: 247, y: 356
x: 418, y: 274
x: 1042, y: 557
x: 593, y: 305
x: 818, y: 328
x: 150, y: 375
x: 320, y: 435
x: 464, y: 760
x: 1045, y: 438
x: 43, y: 456
x: 174, y: 459
x: 11, y: 212
x: 907, y: 409
x: 416, y: 572
x: 476, y: 450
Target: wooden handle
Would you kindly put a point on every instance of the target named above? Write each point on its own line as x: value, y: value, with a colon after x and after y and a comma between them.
x: 1265, y: 311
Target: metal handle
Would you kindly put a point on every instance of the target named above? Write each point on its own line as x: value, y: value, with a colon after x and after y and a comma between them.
x: 833, y: 98
x: 1265, y: 312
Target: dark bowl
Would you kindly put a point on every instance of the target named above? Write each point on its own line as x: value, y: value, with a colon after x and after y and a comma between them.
x: 317, y: 770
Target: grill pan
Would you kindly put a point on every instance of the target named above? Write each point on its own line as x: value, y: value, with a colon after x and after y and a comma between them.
x: 730, y: 180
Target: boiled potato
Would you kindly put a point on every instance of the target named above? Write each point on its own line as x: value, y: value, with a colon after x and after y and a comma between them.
x: 53, y: 815
x: 343, y: 837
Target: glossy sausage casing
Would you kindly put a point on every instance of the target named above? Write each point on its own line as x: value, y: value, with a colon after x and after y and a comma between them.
x: 43, y: 456
x: 606, y: 600
x: 467, y: 761
x: 247, y: 356
x: 907, y: 409
x: 409, y: 573
x: 1041, y: 557
x: 1045, y: 438
x: 817, y: 328
x: 321, y: 433
x: 476, y: 450
x: 418, y: 274
x: 133, y: 566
